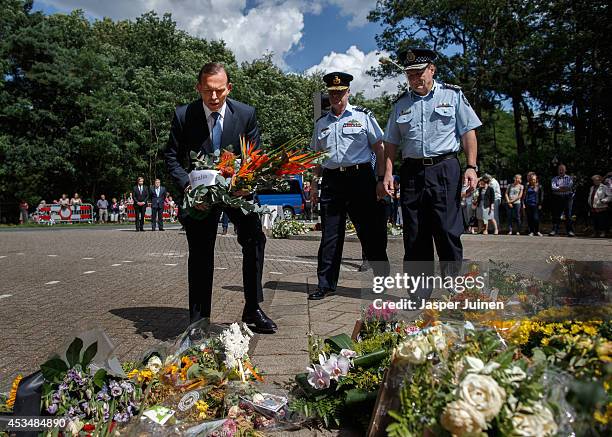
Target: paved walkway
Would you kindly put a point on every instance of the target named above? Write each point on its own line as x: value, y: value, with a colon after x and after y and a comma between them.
x: 58, y: 282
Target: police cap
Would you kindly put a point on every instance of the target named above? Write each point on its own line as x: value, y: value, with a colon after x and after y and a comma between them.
x: 415, y: 58
x: 337, y: 81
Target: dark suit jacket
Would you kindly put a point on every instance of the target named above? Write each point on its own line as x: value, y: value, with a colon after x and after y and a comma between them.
x: 144, y: 197
x: 158, y: 201
x: 189, y: 131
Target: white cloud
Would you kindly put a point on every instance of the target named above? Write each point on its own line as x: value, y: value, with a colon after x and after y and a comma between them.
x: 270, y: 26
x: 357, y: 63
x: 358, y: 10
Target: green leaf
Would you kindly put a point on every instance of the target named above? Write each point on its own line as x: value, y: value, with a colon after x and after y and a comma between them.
x: 193, y: 371
x: 339, y: 342
x: 89, y: 354
x: 371, y: 359
x: 358, y: 396
x: 54, y: 369
x: 99, y: 378
x: 73, y: 354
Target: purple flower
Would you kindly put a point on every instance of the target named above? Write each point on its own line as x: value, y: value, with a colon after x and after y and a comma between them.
x: 52, y: 409
x: 121, y: 417
x: 74, y: 375
x: 127, y: 386
x: 115, y: 389
x: 56, y: 397
x: 132, y: 409
x: 63, y: 386
x: 318, y: 377
x: 103, y: 394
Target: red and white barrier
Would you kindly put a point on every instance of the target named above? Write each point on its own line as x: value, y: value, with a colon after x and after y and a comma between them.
x: 73, y: 214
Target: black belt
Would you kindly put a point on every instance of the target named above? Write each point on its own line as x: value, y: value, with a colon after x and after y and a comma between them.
x: 426, y: 162
x: 351, y: 167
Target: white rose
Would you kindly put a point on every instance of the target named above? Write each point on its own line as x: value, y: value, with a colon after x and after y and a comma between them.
x: 483, y: 393
x: 526, y: 425
x: 534, y: 421
x: 414, y: 349
x: 154, y: 364
x: 546, y: 418
x: 460, y: 418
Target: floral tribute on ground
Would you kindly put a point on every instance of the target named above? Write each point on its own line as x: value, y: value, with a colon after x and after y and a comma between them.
x: 205, y: 384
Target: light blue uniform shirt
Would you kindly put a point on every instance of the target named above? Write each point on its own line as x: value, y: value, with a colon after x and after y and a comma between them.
x: 431, y: 125
x: 347, y: 140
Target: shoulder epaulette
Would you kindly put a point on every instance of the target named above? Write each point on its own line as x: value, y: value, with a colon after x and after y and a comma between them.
x: 400, y: 96
x: 362, y: 109
x: 452, y: 87
x: 322, y: 115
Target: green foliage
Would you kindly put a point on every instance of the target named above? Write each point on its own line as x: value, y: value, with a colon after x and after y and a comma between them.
x: 86, y: 106
x: 287, y: 228
x: 385, y: 340
x: 325, y: 408
x: 547, y: 61
x: 55, y: 368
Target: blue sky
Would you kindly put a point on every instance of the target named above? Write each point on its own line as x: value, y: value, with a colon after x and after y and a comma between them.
x: 303, y: 35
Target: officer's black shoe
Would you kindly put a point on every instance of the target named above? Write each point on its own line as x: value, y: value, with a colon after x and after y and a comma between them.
x: 319, y: 294
x: 257, y: 321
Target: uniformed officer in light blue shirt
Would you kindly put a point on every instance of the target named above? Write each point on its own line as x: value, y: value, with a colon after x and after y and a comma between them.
x: 348, y: 135
x: 429, y: 124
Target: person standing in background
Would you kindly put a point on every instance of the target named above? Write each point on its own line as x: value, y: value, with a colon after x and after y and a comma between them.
x: 141, y: 197
x: 158, y: 195
x: 562, y: 201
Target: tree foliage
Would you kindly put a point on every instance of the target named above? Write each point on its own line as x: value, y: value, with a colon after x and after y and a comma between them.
x: 86, y: 106
x: 548, y: 61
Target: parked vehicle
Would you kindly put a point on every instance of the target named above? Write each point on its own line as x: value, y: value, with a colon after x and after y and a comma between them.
x: 292, y: 200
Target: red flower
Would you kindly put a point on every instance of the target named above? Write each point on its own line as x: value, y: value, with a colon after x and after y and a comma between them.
x: 88, y: 427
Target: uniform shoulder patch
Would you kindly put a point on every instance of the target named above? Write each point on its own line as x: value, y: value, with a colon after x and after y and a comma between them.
x: 452, y: 86
x: 400, y: 96
x: 362, y: 109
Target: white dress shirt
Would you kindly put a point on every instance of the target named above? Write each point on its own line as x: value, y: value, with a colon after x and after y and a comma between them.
x: 211, y: 121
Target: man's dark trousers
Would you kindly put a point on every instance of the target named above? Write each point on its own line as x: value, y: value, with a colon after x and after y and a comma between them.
x: 201, y: 237
x: 140, y: 213
x: 562, y: 205
x: 431, y: 211
x: 351, y: 192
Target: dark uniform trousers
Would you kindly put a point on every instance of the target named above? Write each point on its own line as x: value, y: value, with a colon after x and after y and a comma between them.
x: 139, y: 210
x: 201, y: 237
x: 431, y: 207
x: 354, y: 192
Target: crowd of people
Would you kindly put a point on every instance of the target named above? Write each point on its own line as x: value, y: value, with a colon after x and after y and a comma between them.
x: 105, y: 211
x: 482, y: 207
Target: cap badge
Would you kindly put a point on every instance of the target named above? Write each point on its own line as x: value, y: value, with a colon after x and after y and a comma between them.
x: 410, y: 56
x: 336, y: 80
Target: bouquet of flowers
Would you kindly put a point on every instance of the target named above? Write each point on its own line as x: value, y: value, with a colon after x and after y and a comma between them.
x: 90, y: 400
x: 471, y: 387
x: 225, y: 177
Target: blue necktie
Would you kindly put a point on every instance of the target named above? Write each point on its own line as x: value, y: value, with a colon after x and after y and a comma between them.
x: 216, y: 131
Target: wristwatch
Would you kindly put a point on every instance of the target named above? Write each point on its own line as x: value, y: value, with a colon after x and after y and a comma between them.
x: 381, y: 178
x: 475, y: 167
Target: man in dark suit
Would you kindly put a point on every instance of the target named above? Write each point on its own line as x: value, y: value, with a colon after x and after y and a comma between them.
x: 141, y: 197
x: 211, y: 123
x: 158, y: 195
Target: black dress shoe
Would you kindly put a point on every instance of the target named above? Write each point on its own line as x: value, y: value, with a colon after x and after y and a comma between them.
x: 162, y: 229
x: 319, y: 294
x: 257, y: 321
